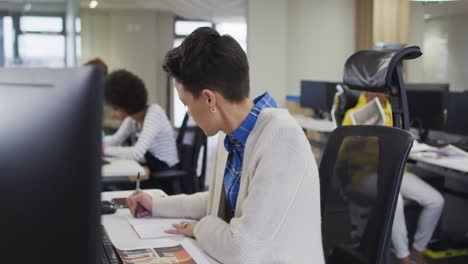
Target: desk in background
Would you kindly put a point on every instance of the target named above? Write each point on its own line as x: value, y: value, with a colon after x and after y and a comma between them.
x: 119, y: 170
x: 453, y: 167
x: 319, y: 125
x: 317, y: 131
x: 453, y: 173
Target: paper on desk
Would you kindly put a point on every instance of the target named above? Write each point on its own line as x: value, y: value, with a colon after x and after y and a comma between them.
x: 151, y: 227
x: 448, y: 151
x: 418, y: 147
x: 451, y: 151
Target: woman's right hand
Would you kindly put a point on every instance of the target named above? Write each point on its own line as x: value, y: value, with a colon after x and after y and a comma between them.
x: 140, y: 204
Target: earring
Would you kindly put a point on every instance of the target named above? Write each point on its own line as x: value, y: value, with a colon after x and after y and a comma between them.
x: 212, y: 109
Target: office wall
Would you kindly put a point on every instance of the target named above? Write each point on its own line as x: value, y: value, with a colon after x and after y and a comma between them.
x: 134, y: 40
x: 165, y: 42
x: 289, y: 41
x: 445, y: 57
x: 267, y: 46
x: 321, y: 37
x: 435, y: 50
x: 458, y: 52
x: 415, y: 68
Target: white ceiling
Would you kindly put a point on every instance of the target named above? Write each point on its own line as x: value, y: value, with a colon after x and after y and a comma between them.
x: 216, y: 10
x: 225, y: 10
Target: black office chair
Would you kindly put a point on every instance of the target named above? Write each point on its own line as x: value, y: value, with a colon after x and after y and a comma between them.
x: 362, y: 166
x: 360, y: 177
x: 191, y: 141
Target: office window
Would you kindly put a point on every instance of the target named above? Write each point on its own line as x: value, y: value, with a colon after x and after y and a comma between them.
x: 236, y: 30
x: 185, y: 27
x: 41, y: 24
x: 78, y: 37
x: 178, y: 41
x: 37, y: 50
x: 179, y: 109
x: 33, y: 41
x: 8, y: 41
x: 182, y: 28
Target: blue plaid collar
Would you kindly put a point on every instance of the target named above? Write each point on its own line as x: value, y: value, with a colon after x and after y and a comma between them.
x: 238, y: 138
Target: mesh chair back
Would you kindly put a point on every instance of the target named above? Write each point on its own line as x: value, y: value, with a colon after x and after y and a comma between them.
x: 360, y: 175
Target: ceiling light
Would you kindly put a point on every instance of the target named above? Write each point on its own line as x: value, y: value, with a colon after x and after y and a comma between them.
x: 27, y: 7
x: 93, y: 4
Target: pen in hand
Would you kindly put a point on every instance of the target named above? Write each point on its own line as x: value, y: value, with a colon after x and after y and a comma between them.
x: 138, y: 206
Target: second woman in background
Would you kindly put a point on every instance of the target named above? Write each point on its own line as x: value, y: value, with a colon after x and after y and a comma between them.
x: 127, y: 95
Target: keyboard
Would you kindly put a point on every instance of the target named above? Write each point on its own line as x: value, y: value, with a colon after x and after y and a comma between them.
x: 109, y: 253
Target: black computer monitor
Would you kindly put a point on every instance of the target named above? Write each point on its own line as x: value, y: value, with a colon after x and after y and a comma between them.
x: 50, y: 165
x: 457, y: 113
x: 318, y: 95
x: 426, y: 105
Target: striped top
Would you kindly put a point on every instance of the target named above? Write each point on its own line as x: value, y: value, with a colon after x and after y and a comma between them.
x: 156, y: 137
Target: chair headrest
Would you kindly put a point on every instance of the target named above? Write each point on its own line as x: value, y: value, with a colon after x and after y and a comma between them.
x: 372, y: 70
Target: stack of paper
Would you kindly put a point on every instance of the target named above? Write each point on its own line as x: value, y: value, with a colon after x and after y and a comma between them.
x: 448, y: 151
x: 421, y: 147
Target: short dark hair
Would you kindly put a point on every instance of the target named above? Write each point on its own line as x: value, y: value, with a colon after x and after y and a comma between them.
x: 205, y: 58
x: 125, y: 90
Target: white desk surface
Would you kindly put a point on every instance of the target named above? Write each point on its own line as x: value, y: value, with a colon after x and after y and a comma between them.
x: 453, y: 163
x: 121, y: 168
x: 123, y: 236
x: 315, y: 124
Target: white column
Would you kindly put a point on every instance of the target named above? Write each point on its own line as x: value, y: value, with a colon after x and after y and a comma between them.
x: 267, y: 47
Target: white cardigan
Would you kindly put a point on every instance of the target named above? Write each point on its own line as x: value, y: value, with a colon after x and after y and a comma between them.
x: 277, y: 217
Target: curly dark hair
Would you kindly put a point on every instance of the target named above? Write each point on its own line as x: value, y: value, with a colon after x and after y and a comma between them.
x: 207, y: 59
x: 125, y: 90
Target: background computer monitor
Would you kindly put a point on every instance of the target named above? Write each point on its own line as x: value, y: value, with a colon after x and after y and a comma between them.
x: 50, y: 165
x: 426, y: 105
x: 318, y: 95
x: 457, y: 113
